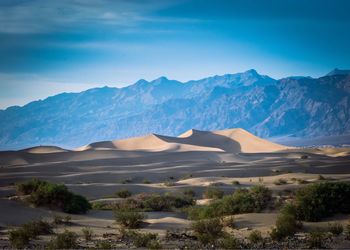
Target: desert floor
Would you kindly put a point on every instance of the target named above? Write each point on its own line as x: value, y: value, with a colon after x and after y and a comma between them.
x: 194, y: 161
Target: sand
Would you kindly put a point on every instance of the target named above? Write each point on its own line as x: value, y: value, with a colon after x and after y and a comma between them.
x: 193, y: 160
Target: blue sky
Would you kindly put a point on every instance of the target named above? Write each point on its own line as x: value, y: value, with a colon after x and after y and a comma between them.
x: 47, y: 47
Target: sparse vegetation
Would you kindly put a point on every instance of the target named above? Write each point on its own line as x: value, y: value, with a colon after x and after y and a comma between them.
x: 128, y: 218
x: 229, y: 221
x: 280, y: 181
x: 316, y: 239
x: 241, y: 201
x: 302, y: 181
x: 146, y: 181
x: 19, y: 238
x: 236, y: 183
x: 157, y: 202
x: 123, y: 193
x: 335, y: 228
x: 229, y: 242
x: 208, y: 231
x: 189, y: 193
x: 213, y: 193
x: 54, y: 196
x: 144, y: 239
x: 104, y: 244
x: 65, y: 240
x: 87, y: 233
x: 320, y: 200
x: 286, y: 224
x: 255, y: 237
x: 347, y: 231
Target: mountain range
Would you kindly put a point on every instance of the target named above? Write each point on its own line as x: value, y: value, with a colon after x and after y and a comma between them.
x: 294, y: 106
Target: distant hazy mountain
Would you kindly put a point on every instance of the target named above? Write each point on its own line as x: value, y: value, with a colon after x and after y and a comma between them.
x: 297, y: 106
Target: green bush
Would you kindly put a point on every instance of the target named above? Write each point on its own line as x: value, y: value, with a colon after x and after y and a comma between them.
x: 154, y: 244
x: 124, y: 193
x: 76, y: 204
x: 157, y: 202
x: 144, y: 239
x: 19, y: 238
x: 280, y: 181
x: 335, y: 228
x: 207, y: 231
x: 104, y: 244
x: 347, y: 231
x: 87, y: 233
x: 229, y: 221
x: 189, y: 192
x: 213, y: 193
x: 229, y: 242
x: 55, y: 196
x: 320, y: 200
x: 241, y: 201
x: 128, y: 218
x: 286, y: 224
x: 65, y: 240
x: 316, y: 239
x: 255, y: 237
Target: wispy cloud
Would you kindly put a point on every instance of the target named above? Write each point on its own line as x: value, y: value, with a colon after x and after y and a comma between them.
x: 41, y: 16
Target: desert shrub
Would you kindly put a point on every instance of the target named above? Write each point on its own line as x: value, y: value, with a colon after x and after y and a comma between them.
x: 255, y: 237
x: 157, y: 202
x: 28, y: 187
x: 76, y: 204
x: 286, y: 224
x: 42, y: 193
x: 169, y: 184
x: 236, y: 183
x: 302, y: 181
x: 303, y: 157
x: 213, y: 193
x: 101, y: 206
x: 65, y: 240
x: 335, y: 228
x: 229, y: 242
x: 229, y: 222
x: 154, y: 244
x: 124, y: 193
x: 241, y: 201
x: 189, y: 192
x: 207, y: 231
x: 321, y: 178
x: 36, y: 228
x: 347, y: 231
x: 126, y: 181
x: 104, y: 244
x: 143, y: 239
x: 280, y: 181
x: 18, y: 238
x: 87, y: 233
x: 316, y: 239
x: 128, y: 218
x: 323, y: 199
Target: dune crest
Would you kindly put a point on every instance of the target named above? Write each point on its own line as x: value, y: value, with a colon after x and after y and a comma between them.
x: 230, y: 140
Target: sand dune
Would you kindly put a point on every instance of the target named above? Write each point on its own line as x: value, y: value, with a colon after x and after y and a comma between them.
x: 230, y: 140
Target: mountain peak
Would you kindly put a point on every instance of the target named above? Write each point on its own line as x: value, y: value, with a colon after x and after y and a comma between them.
x: 160, y: 80
x: 251, y: 72
x: 337, y: 71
